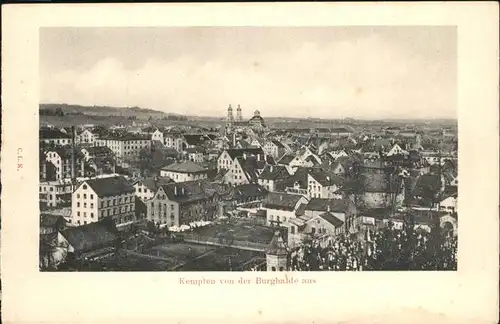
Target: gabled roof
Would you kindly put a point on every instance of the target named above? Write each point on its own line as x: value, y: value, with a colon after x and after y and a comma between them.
x: 277, y: 245
x: 278, y: 144
x: 98, y: 150
x: 65, y: 152
x: 332, y: 219
x: 89, y: 237
x: 283, y: 201
x: 274, y: 172
x: 326, y: 179
x: 47, y: 220
x: 286, y: 159
x: 184, y: 167
x: 195, y: 139
x: 112, y: 186
x: 250, y: 167
x: 189, y: 191
x: 374, y: 182
x: 153, y: 183
x: 249, y: 190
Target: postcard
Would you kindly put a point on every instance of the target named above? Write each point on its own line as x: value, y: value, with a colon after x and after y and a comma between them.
x: 270, y: 163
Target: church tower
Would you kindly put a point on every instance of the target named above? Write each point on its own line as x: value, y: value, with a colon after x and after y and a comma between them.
x: 277, y: 254
x: 230, y: 118
x: 239, y: 119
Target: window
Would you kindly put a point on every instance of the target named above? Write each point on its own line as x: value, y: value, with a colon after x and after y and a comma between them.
x: 91, y: 215
x: 84, y: 205
x: 140, y: 189
x: 102, y: 204
x: 51, y: 189
x: 273, y: 268
x: 84, y: 187
x: 78, y: 204
x: 292, y: 230
x: 91, y: 205
x: 313, y: 230
x: 91, y: 196
x: 84, y: 214
x: 84, y: 196
x: 78, y: 213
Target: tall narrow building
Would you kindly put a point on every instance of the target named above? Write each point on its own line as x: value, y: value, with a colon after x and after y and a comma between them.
x: 230, y: 118
x: 239, y: 119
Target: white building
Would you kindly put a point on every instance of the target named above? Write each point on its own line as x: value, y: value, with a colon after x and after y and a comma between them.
x: 281, y: 207
x: 184, y: 171
x: 96, y: 199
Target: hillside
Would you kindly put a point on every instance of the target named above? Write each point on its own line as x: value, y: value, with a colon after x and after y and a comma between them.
x: 102, y: 110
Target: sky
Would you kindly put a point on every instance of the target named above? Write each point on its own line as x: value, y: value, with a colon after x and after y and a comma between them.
x: 319, y: 72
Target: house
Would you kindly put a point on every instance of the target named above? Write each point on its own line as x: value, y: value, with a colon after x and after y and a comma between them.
x: 396, y: 150
x: 281, y: 207
x: 340, y: 132
x: 176, y: 204
x: 90, y: 242
x: 275, y: 149
x: 157, y: 136
x: 291, y: 162
x: 195, y: 140
x: 174, y: 141
x: 55, y: 193
x: 427, y: 190
x: 272, y: 174
x: 184, y: 171
x: 449, y: 203
x: 125, y: 147
x: 245, y: 169
x: 322, y: 184
x: 145, y: 189
x: 228, y: 156
x: 96, y: 152
x: 51, y: 224
x: 54, y: 137
x: 195, y: 154
x: 337, y: 207
x: 86, y: 137
x: 97, y: 199
x: 61, y: 158
x: 249, y: 192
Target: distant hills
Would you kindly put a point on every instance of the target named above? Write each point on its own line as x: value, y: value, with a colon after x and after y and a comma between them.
x: 68, y: 109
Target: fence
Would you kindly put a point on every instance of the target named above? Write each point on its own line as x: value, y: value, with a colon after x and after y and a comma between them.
x: 193, y: 238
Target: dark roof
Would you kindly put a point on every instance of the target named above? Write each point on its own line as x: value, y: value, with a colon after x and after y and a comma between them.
x: 377, y: 213
x: 50, y: 220
x: 153, y: 183
x: 249, y: 190
x: 112, y: 186
x: 89, y: 237
x: 195, y: 139
x: 189, y: 191
x: 277, y: 245
x: 286, y: 159
x: 185, y: 167
x: 322, y: 204
x: 340, y: 130
x: 326, y: 179
x: 278, y: 144
x: 251, y: 167
x: 332, y: 219
x: 283, y: 201
x: 234, y: 153
x: 427, y: 184
x: 53, y: 133
x: 274, y: 172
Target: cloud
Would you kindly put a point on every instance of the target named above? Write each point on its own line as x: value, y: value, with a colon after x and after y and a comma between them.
x: 365, y: 78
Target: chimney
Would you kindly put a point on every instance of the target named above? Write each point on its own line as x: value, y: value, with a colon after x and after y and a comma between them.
x: 234, y: 139
x: 271, y: 168
x: 73, y: 164
x: 182, y: 191
x: 281, y: 197
x: 258, y: 157
x: 175, y: 190
x: 328, y: 208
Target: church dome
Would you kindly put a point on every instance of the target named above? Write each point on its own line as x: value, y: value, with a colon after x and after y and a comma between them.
x: 256, y: 113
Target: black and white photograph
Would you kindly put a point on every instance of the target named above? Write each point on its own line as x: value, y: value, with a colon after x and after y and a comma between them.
x: 330, y: 148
